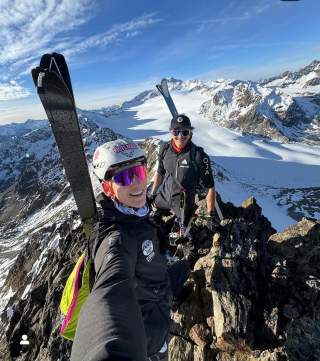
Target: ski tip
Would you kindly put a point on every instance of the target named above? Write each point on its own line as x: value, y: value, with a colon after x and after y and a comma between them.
x: 58, y: 55
x: 160, y: 89
x: 45, y: 61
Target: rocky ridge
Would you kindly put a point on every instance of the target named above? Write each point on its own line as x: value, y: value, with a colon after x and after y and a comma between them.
x: 33, y: 189
x: 253, y: 294
x: 284, y: 108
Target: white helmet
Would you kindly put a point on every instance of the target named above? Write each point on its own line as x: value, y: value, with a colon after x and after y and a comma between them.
x: 115, y: 154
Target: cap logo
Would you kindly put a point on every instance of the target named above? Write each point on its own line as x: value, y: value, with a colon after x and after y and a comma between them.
x: 179, y: 119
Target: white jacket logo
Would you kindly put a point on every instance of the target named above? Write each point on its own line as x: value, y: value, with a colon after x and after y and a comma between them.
x: 147, y: 250
x: 184, y: 164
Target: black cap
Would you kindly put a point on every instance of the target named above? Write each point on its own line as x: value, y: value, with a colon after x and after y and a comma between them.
x: 180, y: 121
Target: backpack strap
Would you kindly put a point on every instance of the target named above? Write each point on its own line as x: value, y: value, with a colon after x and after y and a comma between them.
x: 193, y: 157
x: 88, y: 254
x: 195, y: 153
x: 163, y: 150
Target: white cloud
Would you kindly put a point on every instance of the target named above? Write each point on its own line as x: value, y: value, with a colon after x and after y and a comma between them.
x: 114, y: 34
x: 12, y: 91
x: 29, y: 28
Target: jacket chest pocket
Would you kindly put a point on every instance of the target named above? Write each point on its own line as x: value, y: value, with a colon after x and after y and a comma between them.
x: 185, y: 172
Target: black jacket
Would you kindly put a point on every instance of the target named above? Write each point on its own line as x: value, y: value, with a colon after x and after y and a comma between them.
x: 181, y: 171
x: 126, y: 316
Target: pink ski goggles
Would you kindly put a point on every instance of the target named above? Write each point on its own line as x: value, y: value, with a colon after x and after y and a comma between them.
x: 125, y: 177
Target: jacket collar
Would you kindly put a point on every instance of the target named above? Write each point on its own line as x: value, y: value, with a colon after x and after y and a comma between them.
x: 182, y: 150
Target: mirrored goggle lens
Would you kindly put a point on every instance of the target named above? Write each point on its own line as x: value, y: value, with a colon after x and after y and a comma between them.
x: 125, y: 177
x: 184, y: 133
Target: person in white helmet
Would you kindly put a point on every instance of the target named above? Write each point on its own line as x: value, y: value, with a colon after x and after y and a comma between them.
x: 126, y: 316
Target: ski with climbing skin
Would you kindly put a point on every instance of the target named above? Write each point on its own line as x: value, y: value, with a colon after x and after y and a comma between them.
x: 53, y: 84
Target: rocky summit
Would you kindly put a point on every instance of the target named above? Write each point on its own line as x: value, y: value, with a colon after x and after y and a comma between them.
x: 253, y: 294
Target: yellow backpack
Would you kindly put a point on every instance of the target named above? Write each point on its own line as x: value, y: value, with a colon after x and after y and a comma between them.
x: 77, y: 289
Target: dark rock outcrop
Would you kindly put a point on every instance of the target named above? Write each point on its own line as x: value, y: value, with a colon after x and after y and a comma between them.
x: 255, y: 294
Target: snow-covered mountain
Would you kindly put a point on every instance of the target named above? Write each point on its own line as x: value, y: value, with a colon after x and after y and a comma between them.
x: 34, y: 193
x: 286, y: 108
x: 268, y: 148
x: 262, y: 137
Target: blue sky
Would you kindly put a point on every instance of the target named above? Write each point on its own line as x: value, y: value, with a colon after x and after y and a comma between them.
x: 117, y: 48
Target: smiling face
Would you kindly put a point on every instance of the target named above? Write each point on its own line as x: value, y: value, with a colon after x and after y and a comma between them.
x: 180, y: 140
x: 128, y: 185
x: 134, y: 195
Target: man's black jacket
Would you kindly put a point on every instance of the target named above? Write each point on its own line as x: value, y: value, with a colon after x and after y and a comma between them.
x: 181, y: 172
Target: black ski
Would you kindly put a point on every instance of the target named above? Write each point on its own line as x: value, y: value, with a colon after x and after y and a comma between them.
x: 54, y: 88
x: 164, y: 91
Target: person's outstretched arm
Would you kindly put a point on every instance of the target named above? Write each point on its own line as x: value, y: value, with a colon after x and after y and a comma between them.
x: 110, y: 325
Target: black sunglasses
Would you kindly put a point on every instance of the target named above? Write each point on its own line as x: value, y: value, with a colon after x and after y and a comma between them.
x: 184, y: 132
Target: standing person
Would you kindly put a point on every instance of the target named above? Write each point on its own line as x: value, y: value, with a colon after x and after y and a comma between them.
x: 126, y: 316
x: 182, y: 167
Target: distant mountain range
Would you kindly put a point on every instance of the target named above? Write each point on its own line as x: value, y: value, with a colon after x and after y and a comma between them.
x: 285, y: 108
x: 34, y: 191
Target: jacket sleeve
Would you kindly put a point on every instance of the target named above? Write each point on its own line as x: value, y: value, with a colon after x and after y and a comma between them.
x: 206, y: 175
x: 110, y: 325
